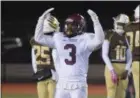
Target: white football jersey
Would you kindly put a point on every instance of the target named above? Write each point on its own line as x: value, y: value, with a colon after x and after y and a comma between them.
x: 72, y: 53
x: 72, y: 56
x: 56, y: 61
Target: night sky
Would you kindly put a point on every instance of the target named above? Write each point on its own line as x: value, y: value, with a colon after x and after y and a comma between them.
x: 19, y: 17
x: 31, y: 10
x: 16, y: 10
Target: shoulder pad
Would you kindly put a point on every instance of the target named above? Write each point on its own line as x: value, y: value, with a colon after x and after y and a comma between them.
x: 108, y: 34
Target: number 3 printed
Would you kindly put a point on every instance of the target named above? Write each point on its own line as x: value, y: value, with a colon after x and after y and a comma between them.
x: 72, y: 54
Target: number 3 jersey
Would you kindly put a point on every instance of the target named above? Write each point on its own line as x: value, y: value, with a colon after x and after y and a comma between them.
x: 118, y: 46
x: 133, y: 33
x: 73, y: 54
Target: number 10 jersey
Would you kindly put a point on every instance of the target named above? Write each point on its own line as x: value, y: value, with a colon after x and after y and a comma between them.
x: 118, y: 46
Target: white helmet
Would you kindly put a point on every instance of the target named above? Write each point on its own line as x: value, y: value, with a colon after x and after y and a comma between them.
x: 119, y: 22
x: 137, y: 13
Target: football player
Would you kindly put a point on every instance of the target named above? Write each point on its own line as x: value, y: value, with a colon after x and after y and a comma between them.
x: 43, y: 61
x: 132, y: 31
x: 117, y: 57
x: 73, y: 47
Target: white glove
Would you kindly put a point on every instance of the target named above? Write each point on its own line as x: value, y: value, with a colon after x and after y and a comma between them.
x: 50, y: 23
x: 93, y: 15
x: 46, y: 13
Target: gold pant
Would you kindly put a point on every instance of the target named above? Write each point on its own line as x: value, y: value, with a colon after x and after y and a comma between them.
x: 136, y: 76
x: 116, y: 90
x: 46, y: 88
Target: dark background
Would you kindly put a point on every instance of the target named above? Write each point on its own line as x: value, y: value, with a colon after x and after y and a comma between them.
x: 20, y: 17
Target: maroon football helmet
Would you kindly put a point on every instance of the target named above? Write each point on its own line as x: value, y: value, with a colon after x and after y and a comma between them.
x: 74, y: 25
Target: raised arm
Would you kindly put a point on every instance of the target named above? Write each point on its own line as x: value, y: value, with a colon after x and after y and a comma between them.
x: 46, y: 24
x: 33, y: 60
x: 98, y: 39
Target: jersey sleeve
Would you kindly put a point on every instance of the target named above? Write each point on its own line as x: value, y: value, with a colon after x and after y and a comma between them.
x: 41, y: 38
x: 128, y: 56
x: 94, y: 42
x: 91, y: 42
x: 129, y: 59
x: 105, y: 53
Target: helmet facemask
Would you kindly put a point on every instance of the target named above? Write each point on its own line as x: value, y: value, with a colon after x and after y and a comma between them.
x: 74, y: 25
x: 71, y: 29
x: 119, y: 27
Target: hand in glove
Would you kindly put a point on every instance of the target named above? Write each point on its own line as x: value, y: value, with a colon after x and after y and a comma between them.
x: 46, y: 13
x: 50, y: 23
x: 114, y: 76
x: 93, y: 15
x: 124, y: 75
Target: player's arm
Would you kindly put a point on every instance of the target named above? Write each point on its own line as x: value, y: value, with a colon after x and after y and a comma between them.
x: 128, y: 56
x: 128, y: 62
x: 33, y: 60
x: 105, y: 56
x: 49, y: 27
x: 99, y: 33
x: 129, y: 59
x: 105, y: 53
x: 55, y: 58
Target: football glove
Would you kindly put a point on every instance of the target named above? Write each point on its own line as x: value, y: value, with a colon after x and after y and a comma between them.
x: 93, y: 15
x: 42, y: 74
x: 51, y: 24
x: 46, y: 13
x: 124, y: 75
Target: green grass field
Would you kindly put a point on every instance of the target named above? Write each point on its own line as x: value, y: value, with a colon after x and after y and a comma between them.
x: 35, y: 96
